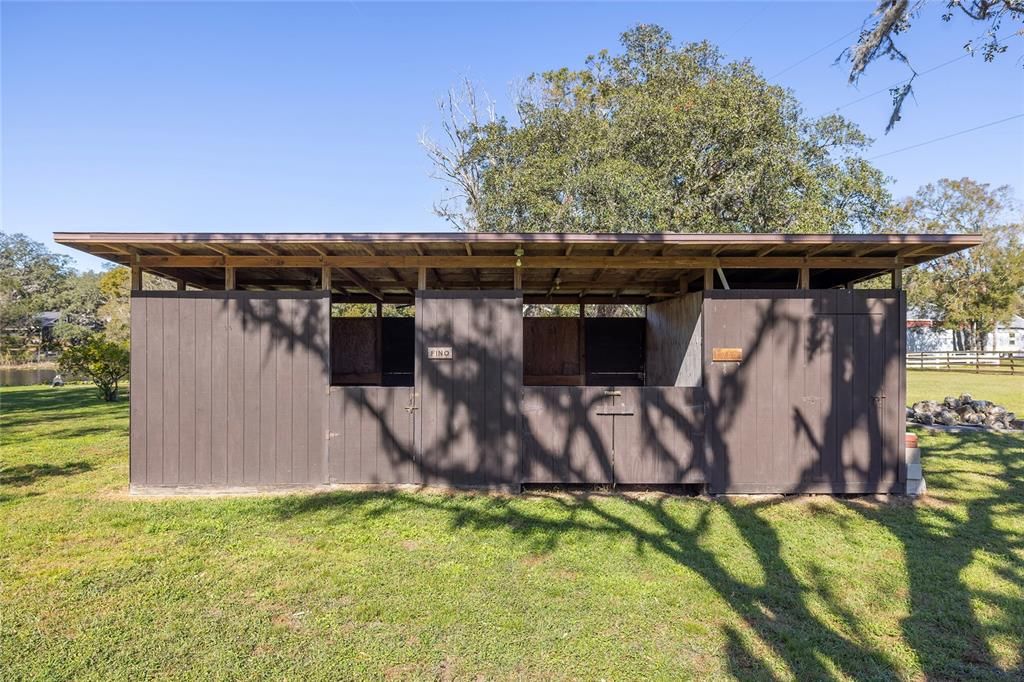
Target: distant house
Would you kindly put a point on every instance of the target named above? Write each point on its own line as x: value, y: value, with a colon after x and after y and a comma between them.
x: 924, y: 336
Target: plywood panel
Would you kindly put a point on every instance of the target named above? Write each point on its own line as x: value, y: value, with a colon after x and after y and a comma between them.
x: 284, y: 367
x: 171, y: 385
x: 252, y: 364
x: 355, y: 356
x: 269, y: 332
x: 137, y: 392
x: 551, y: 346
x: 236, y: 392
x: 219, y: 344
x: 154, y: 388
x: 187, y: 366
x: 204, y: 390
x: 318, y: 353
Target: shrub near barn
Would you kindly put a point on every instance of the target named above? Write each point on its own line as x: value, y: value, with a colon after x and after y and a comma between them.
x: 103, y: 362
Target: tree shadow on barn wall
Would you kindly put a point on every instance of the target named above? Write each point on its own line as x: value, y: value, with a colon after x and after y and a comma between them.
x: 798, y: 615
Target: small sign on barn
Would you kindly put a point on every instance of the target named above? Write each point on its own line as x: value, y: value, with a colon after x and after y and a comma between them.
x: 726, y: 354
x: 439, y: 352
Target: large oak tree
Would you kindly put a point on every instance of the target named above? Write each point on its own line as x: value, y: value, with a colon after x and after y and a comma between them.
x: 658, y: 137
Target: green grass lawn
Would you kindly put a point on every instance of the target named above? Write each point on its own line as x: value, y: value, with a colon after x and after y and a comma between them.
x: 1004, y: 389
x: 98, y: 585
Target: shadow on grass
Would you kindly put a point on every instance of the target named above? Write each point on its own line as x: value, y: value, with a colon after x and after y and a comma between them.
x: 21, y: 407
x: 27, y: 474
x: 939, y: 541
x: 953, y: 531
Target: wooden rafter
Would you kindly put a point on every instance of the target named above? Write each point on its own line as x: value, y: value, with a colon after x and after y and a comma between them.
x: 362, y: 282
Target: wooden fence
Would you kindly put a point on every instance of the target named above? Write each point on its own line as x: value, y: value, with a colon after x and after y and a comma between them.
x: 990, y: 362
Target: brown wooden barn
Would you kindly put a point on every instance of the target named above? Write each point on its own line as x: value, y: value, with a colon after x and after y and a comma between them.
x: 753, y: 365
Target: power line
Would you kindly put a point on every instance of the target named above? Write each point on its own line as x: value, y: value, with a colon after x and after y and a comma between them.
x: 889, y: 88
x: 897, y: 84
x: 946, y: 137
x: 814, y: 54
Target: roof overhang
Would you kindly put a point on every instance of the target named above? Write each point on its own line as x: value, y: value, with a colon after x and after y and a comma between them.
x: 546, y: 266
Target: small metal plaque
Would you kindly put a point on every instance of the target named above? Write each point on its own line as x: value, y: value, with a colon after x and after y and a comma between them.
x: 726, y: 354
x: 439, y: 352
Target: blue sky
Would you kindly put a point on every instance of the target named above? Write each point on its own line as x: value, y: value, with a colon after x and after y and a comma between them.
x: 305, y: 117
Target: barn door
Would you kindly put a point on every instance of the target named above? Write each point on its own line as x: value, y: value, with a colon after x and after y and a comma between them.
x: 469, y: 379
x: 860, y: 398
x: 803, y: 391
x: 372, y: 435
x: 565, y: 440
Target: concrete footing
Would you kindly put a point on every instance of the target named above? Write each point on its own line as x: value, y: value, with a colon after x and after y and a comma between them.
x: 915, y: 474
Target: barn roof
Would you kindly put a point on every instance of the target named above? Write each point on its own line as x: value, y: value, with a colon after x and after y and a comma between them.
x: 624, y: 267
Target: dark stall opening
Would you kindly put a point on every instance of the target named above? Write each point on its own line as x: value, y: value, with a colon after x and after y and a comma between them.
x: 373, y: 351
x: 584, y: 351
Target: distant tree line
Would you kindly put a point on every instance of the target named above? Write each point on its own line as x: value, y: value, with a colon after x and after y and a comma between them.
x: 35, y: 281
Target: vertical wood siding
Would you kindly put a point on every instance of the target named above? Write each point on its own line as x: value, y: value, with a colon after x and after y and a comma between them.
x: 372, y: 435
x: 674, y: 342
x: 229, y: 388
x: 816, y: 404
x: 468, y: 429
x: 644, y: 435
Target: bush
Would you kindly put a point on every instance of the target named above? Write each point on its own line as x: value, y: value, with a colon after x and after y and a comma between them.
x: 102, y: 361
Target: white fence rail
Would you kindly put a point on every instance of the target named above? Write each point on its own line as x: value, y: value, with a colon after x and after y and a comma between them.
x: 992, y: 362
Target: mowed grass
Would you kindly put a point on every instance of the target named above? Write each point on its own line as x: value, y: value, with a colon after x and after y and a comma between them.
x: 415, y: 584
x: 1003, y: 389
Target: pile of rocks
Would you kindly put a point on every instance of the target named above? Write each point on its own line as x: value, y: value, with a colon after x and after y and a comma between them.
x: 963, y: 411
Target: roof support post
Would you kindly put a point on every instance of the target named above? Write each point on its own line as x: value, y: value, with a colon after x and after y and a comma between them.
x: 709, y: 279
x: 181, y: 285
x: 897, y: 274
x: 229, y: 278
x: 421, y: 282
x: 581, y: 348
x: 805, y: 278
x: 325, y: 278
x: 517, y: 278
x: 136, y: 278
